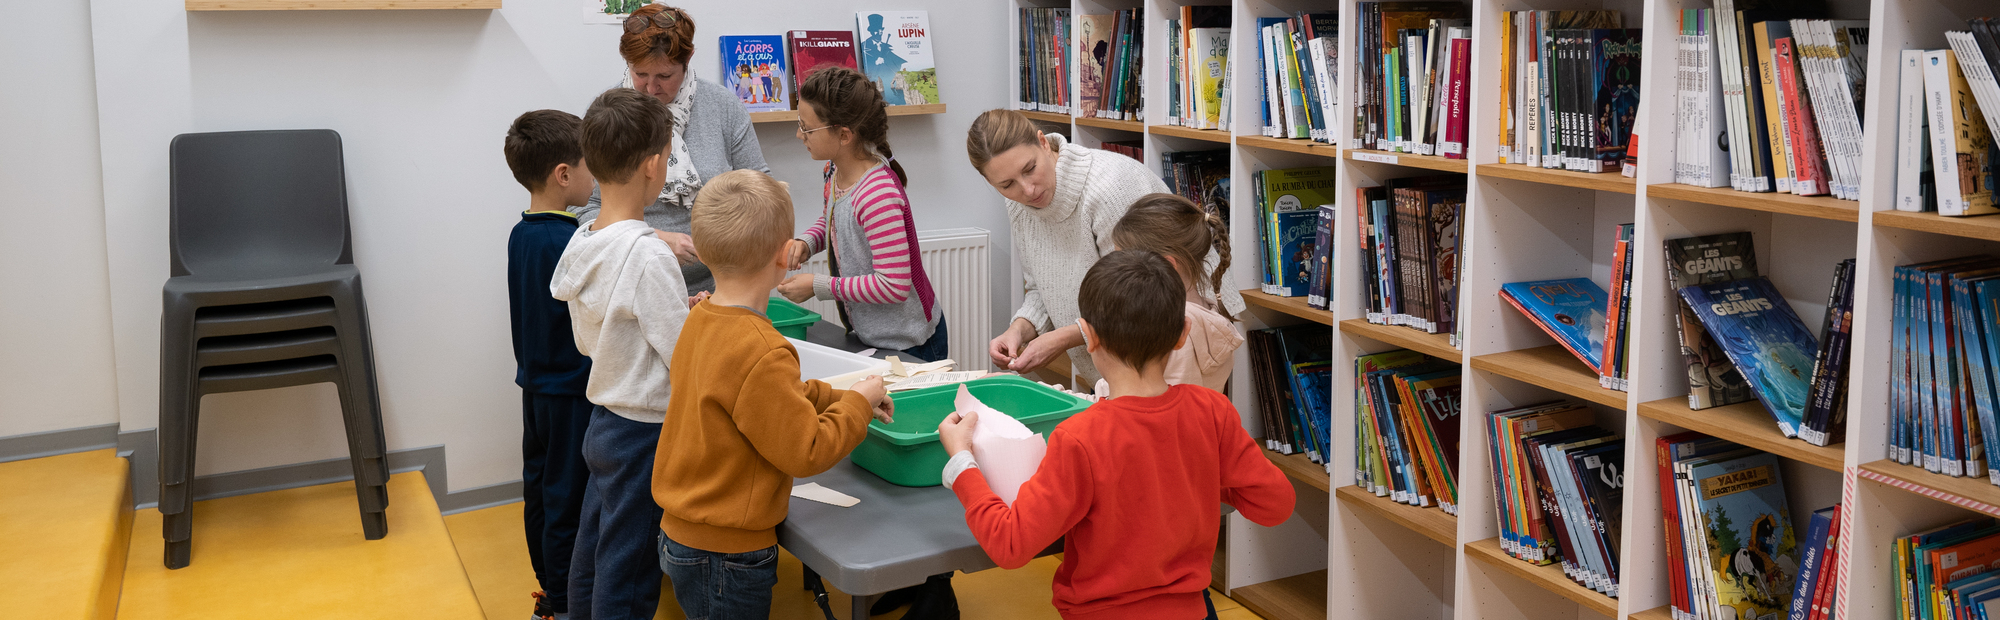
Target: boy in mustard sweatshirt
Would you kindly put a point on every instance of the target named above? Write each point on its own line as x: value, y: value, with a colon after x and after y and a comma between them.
x: 740, y: 424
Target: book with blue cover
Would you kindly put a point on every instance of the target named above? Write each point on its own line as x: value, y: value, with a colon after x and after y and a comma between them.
x: 1288, y: 212
x: 753, y: 68
x: 1811, y: 567
x: 1764, y: 338
x: 1571, y: 310
x: 1750, y: 540
x: 895, y: 53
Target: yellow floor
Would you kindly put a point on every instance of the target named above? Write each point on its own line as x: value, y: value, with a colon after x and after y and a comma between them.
x: 66, y: 519
x: 299, y: 553
x: 495, y: 555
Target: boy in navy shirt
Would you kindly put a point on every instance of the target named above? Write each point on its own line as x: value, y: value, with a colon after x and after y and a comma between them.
x: 544, y: 151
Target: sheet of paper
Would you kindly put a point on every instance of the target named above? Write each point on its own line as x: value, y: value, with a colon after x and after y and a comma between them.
x: 936, y: 378
x: 1007, y: 452
x: 813, y: 491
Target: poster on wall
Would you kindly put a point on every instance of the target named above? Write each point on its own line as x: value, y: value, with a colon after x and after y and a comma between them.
x: 610, y: 11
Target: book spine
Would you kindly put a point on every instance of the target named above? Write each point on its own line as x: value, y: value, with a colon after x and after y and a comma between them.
x: 1808, y: 167
x: 1611, y: 332
x: 1944, y: 159
x: 1774, y: 110
x: 1455, y: 112
x: 1910, y: 142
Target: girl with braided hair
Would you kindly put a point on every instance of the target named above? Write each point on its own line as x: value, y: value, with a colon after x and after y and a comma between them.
x: 866, y: 227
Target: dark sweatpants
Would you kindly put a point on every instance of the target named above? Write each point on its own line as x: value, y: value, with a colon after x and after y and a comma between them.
x: 616, y: 572
x: 553, y: 476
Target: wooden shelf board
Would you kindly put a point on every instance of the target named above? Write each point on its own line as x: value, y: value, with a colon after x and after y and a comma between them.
x: 1970, y: 493
x: 792, y: 116
x: 1432, y: 162
x: 1977, y: 227
x: 1176, y: 131
x: 1434, y: 345
x: 335, y: 5
x: 1549, y: 577
x: 1105, y: 123
x: 1301, y: 145
x: 1606, y: 182
x: 1302, y: 469
x: 1822, y: 207
x: 1047, y: 117
x: 1432, y: 522
x: 1295, y: 306
x: 1552, y: 367
x: 1745, y: 423
x: 1663, y: 612
x: 1298, y: 597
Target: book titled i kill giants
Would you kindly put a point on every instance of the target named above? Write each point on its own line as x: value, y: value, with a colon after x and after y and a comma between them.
x: 812, y: 50
x: 753, y: 67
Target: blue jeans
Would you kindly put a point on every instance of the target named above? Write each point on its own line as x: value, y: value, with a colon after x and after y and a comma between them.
x: 553, y: 477
x: 937, y: 348
x: 720, y: 586
x: 613, y: 575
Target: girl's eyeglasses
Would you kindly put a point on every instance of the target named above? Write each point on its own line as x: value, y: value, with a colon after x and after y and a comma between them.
x: 807, y: 132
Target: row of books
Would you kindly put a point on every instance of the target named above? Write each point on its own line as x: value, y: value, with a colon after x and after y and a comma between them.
x: 1733, y: 550
x: 1569, y: 89
x: 1770, y: 103
x: 1202, y: 177
x: 1289, y: 202
x: 1291, y: 372
x: 1408, y: 87
x: 1108, y: 85
x: 1558, y: 483
x: 1135, y: 149
x: 1945, y: 573
x: 1198, y: 68
x: 1298, y: 61
x: 764, y: 71
x: 1045, y: 61
x: 1949, y: 116
x: 1800, y: 379
x: 1406, y: 428
x: 1944, y: 342
x: 1410, y: 239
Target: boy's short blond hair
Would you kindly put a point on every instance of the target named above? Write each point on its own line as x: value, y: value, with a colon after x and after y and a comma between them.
x: 741, y: 218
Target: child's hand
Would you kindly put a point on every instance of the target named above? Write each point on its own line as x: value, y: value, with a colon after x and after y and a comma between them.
x: 955, y: 432
x: 697, y: 298
x: 796, y: 253
x: 797, y: 288
x: 681, y: 244
x: 878, y: 398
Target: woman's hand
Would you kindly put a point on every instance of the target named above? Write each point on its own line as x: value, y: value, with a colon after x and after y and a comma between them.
x: 1040, y: 350
x: 955, y: 432
x: 1005, y: 347
x: 797, y: 288
x: 796, y: 254
x: 681, y: 244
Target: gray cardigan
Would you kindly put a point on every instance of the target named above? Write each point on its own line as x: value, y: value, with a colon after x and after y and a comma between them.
x: 719, y: 139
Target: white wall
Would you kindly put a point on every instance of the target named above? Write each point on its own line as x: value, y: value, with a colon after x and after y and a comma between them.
x: 55, y: 315
x: 422, y: 99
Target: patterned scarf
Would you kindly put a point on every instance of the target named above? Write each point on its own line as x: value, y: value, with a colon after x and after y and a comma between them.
x: 683, y: 181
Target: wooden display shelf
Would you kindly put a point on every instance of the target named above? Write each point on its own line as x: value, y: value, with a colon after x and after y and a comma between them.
x: 792, y: 116
x: 1413, y: 160
x: 1295, y: 306
x: 1300, y: 145
x: 1047, y: 117
x: 1969, y: 493
x: 1432, y: 522
x: 335, y: 5
x: 1434, y: 345
x: 1822, y: 207
x: 1549, y: 576
x: 1663, y: 612
x: 1176, y: 131
x: 1552, y: 367
x: 1977, y: 227
x: 1298, y: 597
x: 1745, y: 423
x: 1604, y: 182
x: 1302, y: 469
x: 1106, y: 123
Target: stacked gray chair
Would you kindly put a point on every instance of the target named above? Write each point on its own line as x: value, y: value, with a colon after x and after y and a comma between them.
x: 264, y: 294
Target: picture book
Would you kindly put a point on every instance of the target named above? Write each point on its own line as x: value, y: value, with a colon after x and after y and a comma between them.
x: 753, y: 67
x: 1751, y: 544
x: 895, y: 53
x: 1571, y: 310
x: 812, y: 49
x: 1094, y: 36
x: 1712, y: 380
x: 1764, y: 338
x: 1292, y: 239
x: 1208, y: 61
x: 1293, y: 190
x: 1616, y: 103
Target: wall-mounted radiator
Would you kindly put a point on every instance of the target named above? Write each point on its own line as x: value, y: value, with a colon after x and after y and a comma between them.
x: 955, y: 260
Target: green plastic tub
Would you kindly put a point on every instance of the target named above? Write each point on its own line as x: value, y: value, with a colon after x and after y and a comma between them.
x: 791, y: 319
x: 907, y: 453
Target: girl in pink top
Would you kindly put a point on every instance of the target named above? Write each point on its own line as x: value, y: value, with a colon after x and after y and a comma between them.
x: 878, y: 278
x: 1182, y: 232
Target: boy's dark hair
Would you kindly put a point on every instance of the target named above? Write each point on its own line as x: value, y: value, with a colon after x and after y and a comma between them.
x: 539, y: 140
x: 622, y: 128
x: 1135, y: 304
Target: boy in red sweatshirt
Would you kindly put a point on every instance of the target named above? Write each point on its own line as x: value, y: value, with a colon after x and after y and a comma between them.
x: 1136, y: 481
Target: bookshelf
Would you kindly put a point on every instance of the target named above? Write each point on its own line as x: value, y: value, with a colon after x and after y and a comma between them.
x: 1371, y: 557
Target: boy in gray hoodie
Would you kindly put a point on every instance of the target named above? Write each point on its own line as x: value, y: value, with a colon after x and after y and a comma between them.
x: 627, y: 303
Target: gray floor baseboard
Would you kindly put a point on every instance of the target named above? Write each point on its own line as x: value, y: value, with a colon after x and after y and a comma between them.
x: 467, y: 500
x: 52, y: 443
